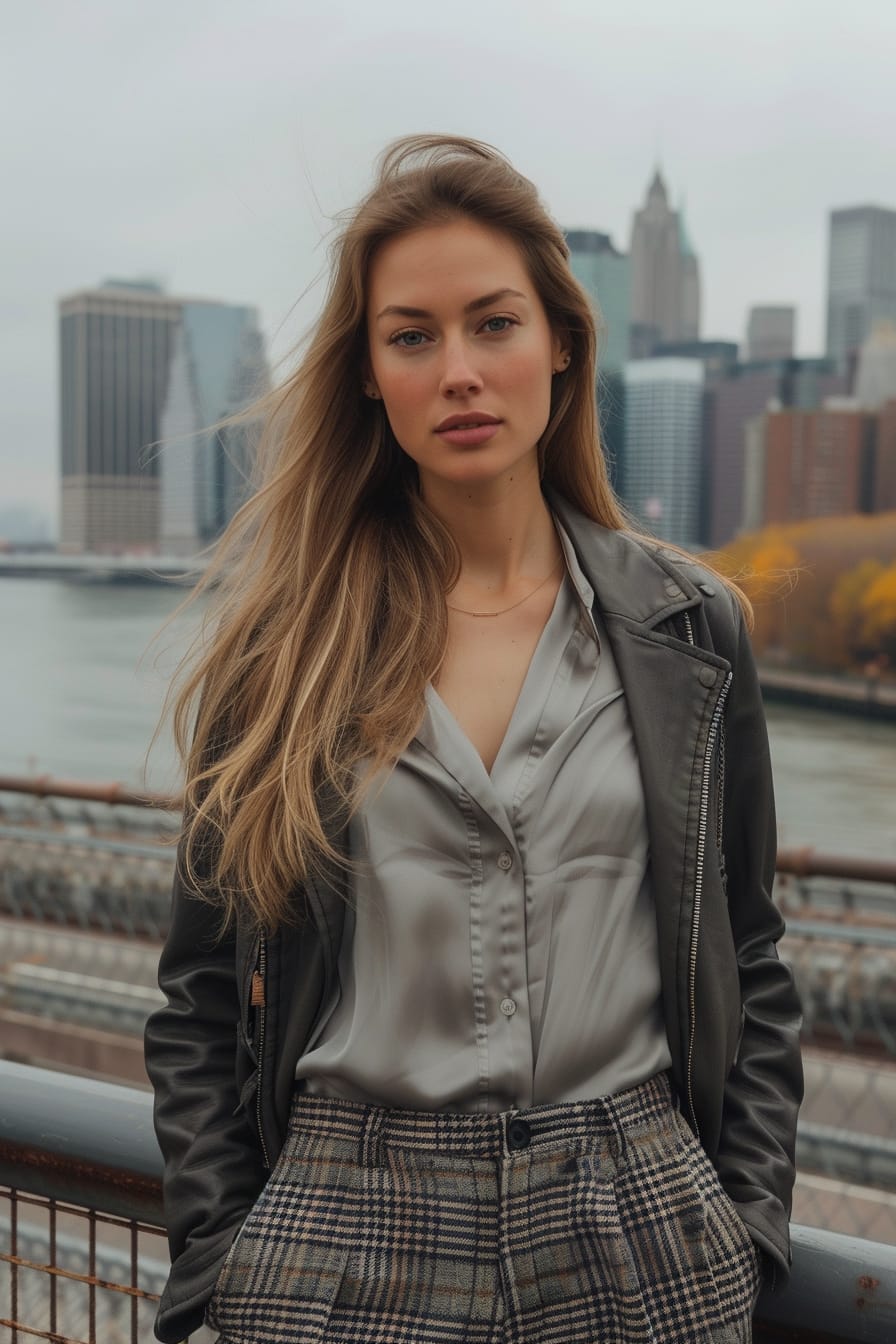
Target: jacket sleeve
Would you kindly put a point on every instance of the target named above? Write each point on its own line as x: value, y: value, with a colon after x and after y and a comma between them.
x: 213, y: 1167
x: 755, y: 1160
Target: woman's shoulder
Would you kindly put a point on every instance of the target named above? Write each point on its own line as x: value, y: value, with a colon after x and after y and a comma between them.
x: 722, y: 609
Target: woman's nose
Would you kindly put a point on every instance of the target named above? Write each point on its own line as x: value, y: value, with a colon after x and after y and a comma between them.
x: 459, y: 374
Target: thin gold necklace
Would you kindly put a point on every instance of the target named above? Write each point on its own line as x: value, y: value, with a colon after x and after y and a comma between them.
x: 464, y: 612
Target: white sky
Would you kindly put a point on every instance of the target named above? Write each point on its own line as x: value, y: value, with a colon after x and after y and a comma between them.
x: 208, y: 143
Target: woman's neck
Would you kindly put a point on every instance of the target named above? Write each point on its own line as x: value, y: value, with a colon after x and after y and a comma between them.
x: 505, y: 533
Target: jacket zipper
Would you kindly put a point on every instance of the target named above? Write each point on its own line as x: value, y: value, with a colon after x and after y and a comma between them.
x: 714, y: 729
x: 257, y: 1000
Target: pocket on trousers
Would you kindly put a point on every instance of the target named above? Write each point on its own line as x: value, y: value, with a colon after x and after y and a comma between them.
x: 732, y: 1255
x: 277, y: 1289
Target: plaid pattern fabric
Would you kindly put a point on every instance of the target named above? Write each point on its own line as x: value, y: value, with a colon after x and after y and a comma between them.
x: 383, y: 1226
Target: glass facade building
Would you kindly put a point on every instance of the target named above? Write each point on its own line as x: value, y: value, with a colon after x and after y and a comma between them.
x: 663, y: 441
x: 122, y: 349
x: 861, y: 277
x: 605, y: 274
x: 217, y: 367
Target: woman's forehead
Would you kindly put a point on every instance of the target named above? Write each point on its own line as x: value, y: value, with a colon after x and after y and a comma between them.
x: 461, y: 260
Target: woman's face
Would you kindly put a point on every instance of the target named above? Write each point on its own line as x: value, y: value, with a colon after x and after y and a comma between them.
x: 461, y: 352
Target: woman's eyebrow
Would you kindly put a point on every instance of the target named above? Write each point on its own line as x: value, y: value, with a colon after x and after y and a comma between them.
x: 397, y: 310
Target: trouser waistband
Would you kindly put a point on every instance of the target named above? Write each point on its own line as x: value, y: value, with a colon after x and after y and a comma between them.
x: 485, y: 1135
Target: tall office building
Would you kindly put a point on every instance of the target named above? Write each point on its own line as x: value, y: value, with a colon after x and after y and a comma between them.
x: 861, y: 277
x: 665, y: 275
x: 771, y: 332
x: 604, y: 273
x: 875, y: 382
x: 115, y: 353
x: 217, y: 366
x: 117, y: 345
x: 663, y: 432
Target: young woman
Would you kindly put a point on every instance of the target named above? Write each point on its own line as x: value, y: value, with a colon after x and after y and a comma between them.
x: 476, y: 1028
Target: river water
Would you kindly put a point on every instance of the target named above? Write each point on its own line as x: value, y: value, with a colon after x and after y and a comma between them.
x: 82, y: 686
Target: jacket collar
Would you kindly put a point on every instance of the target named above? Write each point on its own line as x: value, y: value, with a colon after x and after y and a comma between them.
x: 630, y: 579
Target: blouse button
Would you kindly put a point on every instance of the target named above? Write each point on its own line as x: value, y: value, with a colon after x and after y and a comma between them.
x: 508, y: 1007
x: 505, y: 861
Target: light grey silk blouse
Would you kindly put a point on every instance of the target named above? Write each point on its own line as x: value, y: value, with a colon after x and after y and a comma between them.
x: 501, y: 946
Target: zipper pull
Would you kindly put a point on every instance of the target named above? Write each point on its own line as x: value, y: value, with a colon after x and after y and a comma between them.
x: 256, y: 998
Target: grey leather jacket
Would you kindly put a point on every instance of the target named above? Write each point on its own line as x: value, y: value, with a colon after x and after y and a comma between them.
x: 221, y: 1055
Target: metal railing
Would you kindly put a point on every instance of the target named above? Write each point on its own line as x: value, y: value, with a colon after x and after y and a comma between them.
x: 82, y: 1154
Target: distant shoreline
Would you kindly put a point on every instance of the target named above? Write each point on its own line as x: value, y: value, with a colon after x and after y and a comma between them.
x: 867, y: 697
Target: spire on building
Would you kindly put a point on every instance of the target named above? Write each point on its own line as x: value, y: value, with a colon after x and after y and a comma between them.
x: 665, y: 274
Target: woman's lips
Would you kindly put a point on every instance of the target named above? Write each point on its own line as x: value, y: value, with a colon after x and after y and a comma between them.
x: 471, y: 436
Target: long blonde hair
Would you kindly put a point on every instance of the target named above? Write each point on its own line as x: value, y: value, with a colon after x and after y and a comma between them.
x: 331, y: 580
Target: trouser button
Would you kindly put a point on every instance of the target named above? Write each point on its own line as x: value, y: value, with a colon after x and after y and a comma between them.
x: 519, y: 1134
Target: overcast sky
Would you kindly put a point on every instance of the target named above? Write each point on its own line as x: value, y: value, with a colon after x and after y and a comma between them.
x: 208, y: 143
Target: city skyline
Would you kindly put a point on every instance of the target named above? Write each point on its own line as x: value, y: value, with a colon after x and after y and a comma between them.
x: 212, y: 148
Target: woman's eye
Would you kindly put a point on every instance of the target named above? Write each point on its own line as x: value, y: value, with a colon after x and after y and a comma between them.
x: 409, y: 339
x: 502, y: 323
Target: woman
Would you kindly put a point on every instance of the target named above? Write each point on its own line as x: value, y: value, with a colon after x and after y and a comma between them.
x: 476, y: 1028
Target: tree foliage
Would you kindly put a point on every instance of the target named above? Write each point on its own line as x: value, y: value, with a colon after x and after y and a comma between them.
x: 823, y: 591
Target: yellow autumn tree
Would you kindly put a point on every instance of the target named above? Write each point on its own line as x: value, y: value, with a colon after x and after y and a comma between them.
x: 879, y: 611
x: 848, y: 643
x: 808, y: 582
x: 774, y: 566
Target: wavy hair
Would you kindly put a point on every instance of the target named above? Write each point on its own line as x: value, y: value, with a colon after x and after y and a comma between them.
x: 330, y: 581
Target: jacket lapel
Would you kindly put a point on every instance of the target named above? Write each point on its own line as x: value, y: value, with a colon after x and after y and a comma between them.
x: 672, y: 689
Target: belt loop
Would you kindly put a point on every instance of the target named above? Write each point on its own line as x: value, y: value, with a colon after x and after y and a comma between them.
x: 370, y: 1149
x: 619, y: 1142
x: 506, y: 1118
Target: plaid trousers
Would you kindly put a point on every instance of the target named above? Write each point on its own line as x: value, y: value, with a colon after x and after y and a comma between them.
x: 599, y: 1220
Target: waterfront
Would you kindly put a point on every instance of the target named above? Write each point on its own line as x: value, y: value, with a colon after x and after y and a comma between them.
x: 81, y: 692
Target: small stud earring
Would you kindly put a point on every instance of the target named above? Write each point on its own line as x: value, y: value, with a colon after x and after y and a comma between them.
x: 372, y: 393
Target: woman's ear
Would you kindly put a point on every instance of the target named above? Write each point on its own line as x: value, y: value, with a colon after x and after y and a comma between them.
x: 560, y: 352
x: 368, y: 382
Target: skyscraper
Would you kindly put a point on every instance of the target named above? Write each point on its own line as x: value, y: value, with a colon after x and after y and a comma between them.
x: 217, y: 366
x: 861, y: 277
x: 663, y: 433
x: 604, y: 273
x: 117, y: 355
x: 876, y: 368
x: 665, y: 275
x: 771, y: 331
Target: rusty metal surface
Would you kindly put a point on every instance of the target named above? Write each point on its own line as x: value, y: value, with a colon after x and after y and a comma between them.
x: 88, y: 1288
x: 841, y: 1289
x: 81, y: 1140
x: 808, y: 862
x: 46, y: 786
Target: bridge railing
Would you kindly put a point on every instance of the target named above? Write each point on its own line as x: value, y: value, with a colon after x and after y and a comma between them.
x: 82, y: 1245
